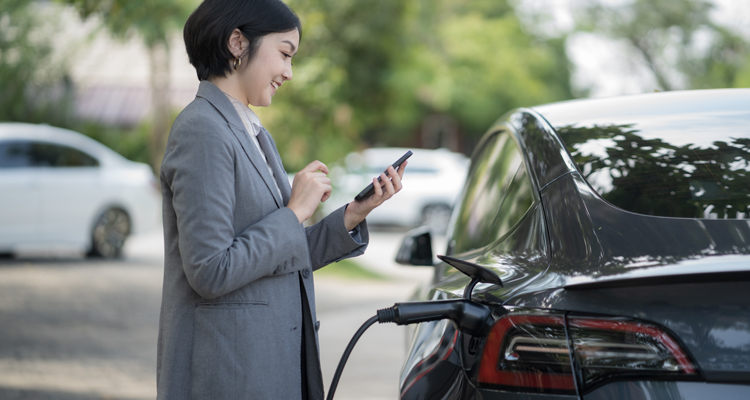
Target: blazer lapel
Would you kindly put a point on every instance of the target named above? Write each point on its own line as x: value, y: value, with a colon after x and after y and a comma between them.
x: 284, y: 186
x: 221, y: 103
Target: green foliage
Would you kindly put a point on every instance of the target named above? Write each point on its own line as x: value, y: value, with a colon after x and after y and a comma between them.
x: 339, y: 91
x: 366, y: 71
x: 129, y: 143
x: 474, y: 65
x: 154, y: 20
x: 674, y: 36
x: 372, y: 72
x: 742, y: 80
x: 35, y: 87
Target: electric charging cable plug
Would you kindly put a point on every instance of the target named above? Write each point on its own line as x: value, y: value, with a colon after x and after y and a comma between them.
x: 468, y: 316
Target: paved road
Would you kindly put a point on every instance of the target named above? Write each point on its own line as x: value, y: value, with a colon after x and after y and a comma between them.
x: 82, y: 329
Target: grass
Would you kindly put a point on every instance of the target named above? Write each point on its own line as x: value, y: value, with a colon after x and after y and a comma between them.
x: 348, y: 269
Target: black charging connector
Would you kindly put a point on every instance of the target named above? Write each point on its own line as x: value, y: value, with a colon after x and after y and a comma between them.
x: 468, y: 316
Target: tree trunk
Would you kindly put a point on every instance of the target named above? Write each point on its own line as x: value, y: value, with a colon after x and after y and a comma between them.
x: 644, y: 49
x: 160, y: 102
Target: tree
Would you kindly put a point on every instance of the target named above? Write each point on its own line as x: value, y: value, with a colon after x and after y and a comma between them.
x: 35, y: 86
x: 153, y: 21
x: 339, y: 93
x: 384, y: 72
x: 473, y: 61
x: 676, y: 40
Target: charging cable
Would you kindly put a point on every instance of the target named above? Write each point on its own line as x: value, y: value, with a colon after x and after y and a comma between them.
x: 468, y: 316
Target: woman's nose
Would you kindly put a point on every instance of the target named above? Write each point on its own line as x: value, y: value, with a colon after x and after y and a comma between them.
x: 288, y: 75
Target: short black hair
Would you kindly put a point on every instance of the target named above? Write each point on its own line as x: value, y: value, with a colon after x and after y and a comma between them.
x: 209, y: 27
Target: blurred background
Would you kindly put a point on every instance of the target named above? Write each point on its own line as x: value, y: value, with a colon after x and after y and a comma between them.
x: 391, y: 74
x: 407, y: 73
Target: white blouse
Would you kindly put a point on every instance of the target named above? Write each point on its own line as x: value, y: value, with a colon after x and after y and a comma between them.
x: 253, y: 127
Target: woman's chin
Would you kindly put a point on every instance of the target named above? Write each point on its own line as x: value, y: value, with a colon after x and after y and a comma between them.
x: 262, y: 103
x: 266, y: 102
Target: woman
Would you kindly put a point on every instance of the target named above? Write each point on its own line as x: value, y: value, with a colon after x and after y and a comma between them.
x: 238, y: 307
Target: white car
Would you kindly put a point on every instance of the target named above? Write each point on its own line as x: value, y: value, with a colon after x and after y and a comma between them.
x: 432, y: 181
x: 62, y: 190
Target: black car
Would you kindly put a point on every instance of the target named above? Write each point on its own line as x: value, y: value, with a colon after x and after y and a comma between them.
x: 620, y: 231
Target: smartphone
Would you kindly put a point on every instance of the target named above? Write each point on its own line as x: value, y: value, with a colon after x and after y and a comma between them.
x: 370, y: 189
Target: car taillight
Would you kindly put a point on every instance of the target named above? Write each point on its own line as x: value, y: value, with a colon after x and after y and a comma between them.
x: 530, y: 353
x: 618, y: 347
x: 527, y: 353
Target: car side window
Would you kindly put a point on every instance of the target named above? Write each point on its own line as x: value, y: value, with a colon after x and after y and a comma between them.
x: 497, y: 175
x: 53, y: 155
x: 15, y: 154
x: 23, y: 154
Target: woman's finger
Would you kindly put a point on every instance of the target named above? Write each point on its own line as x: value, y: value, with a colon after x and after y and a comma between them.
x: 389, y: 189
x: 401, y: 169
x: 376, y: 185
x: 312, y: 167
x: 396, y: 180
x: 321, y: 167
x: 327, y: 192
x: 316, y: 166
x: 322, y: 178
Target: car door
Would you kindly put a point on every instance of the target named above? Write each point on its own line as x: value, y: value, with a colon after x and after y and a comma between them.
x: 70, y: 186
x: 20, y: 203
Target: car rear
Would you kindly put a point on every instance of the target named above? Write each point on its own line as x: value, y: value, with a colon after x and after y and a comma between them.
x: 647, y: 294
x: 683, y: 338
x: 635, y: 283
x: 627, y: 340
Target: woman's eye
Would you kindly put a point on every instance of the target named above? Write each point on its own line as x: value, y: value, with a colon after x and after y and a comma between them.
x: 287, y: 55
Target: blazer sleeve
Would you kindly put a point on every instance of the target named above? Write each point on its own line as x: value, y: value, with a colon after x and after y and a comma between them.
x: 329, y: 241
x: 198, y: 167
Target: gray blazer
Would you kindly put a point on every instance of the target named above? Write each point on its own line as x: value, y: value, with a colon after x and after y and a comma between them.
x: 232, y: 312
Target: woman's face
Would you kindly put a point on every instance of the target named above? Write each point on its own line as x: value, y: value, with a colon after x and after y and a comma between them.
x: 270, y: 68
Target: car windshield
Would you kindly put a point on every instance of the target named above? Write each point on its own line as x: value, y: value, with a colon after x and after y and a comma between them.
x: 670, y: 173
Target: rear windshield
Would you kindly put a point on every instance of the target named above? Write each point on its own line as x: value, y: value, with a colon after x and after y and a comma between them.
x: 672, y: 174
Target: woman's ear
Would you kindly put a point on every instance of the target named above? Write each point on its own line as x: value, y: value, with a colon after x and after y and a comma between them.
x: 237, y: 43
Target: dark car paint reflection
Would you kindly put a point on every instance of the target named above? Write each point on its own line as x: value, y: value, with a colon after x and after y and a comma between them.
x: 576, y: 249
x: 517, y: 258
x: 433, y: 374
x: 689, y: 180
x: 545, y: 153
x: 592, y: 239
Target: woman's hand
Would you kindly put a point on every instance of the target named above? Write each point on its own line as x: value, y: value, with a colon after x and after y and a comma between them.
x: 358, y: 210
x: 311, y: 186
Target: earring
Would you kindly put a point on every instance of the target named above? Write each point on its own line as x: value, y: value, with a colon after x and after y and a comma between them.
x: 237, y: 62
